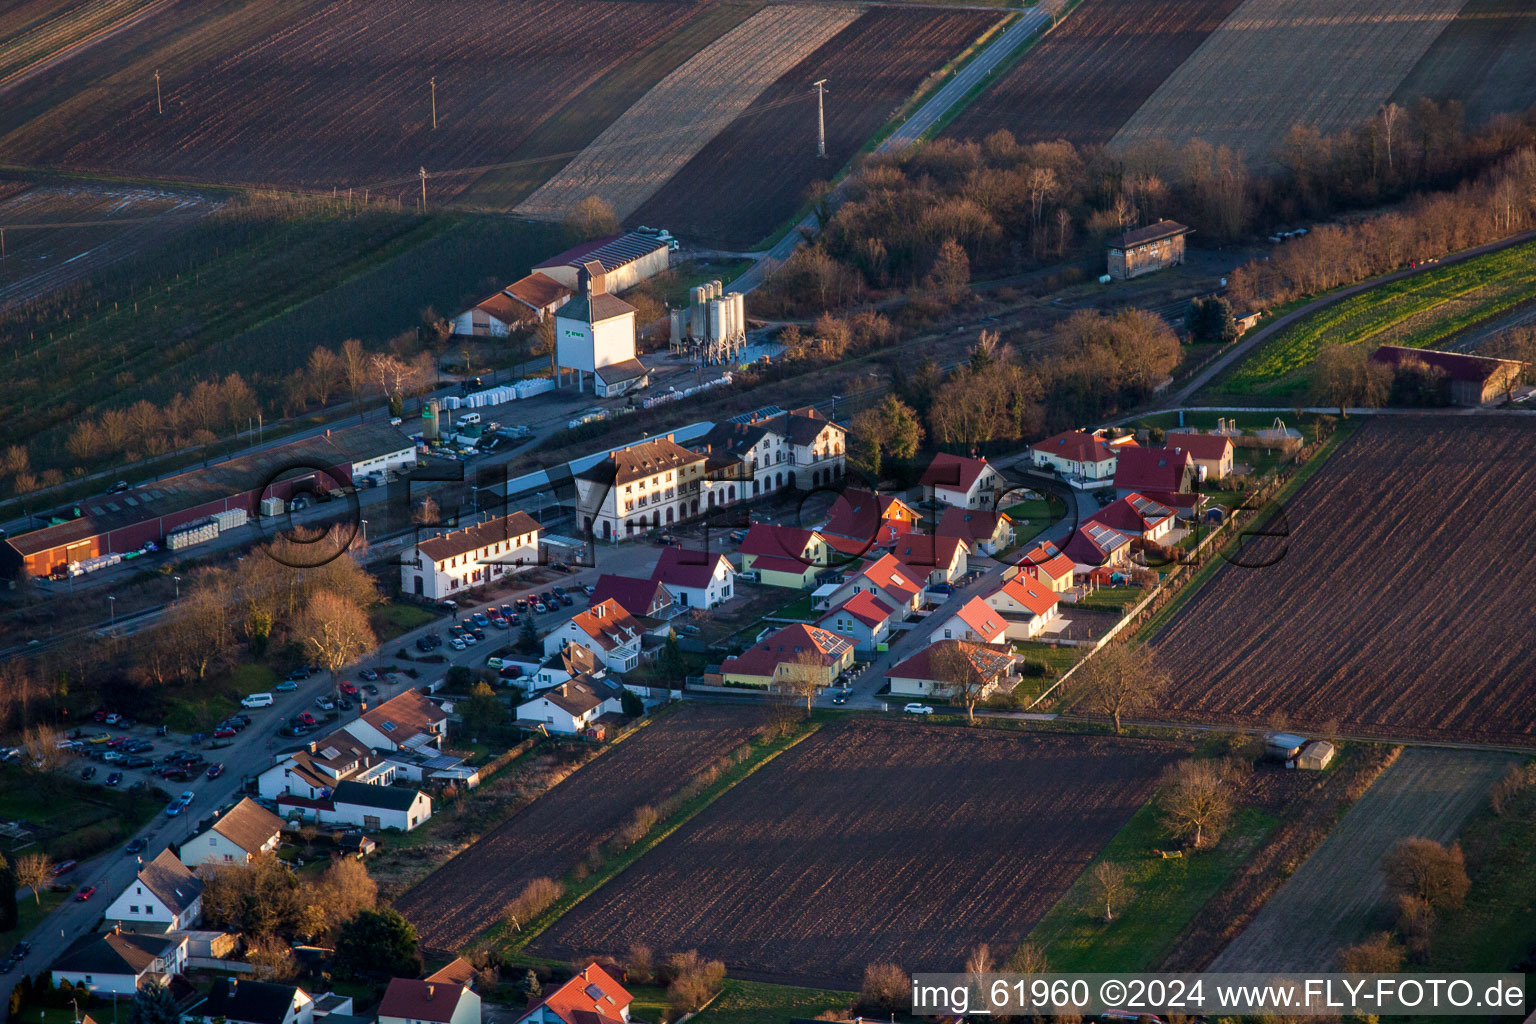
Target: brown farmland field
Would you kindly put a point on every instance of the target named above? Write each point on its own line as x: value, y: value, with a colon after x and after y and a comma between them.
x: 1273, y: 64
x: 1084, y: 79
x: 36, y: 34
x: 1486, y: 58
x: 325, y: 93
x: 768, y: 154
x: 873, y: 840
x: 1400, y: 604
x: 551, y: 835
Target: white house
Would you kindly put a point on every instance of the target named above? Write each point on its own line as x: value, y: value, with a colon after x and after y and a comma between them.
x: 696, y: 579
x: 864, y: 619
x: 374, y: 807
x: 986, y: 531
x: 593, y: 330
x: 639, y: 487
x: 165, y: 896
x: 755, y: 452
x: 1078, y: 455
x: 919, y: 675
x: 245, y: 830
x: 311, y: 772
x: 591, y: 996
x: 818, y: 448
x: 407, y: 721
x: 1137, y: 515
x: 440, y: 566
x: 886, y: 578
x: 570, y: 707
x: 118, y: 962
x: 605, y: 629
x: 975, y: 622
x: 1026, y: 603
x: 243, y: 1001
x: 412, y: 1001
x: 962, y: 482
x: 570, y: 662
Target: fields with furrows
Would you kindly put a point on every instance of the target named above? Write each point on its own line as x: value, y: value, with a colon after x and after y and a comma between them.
x: 1278, y: 63
x: 325, y: 93
x: 1398, y: 603
x: 1084, y: 79
x: 873, y: 840
x: 551, y: 835
x: 1422, y: 311
x: 637, y: 153
x: 1486, y: 58
x: 35, y: 34
x: 768, y: 154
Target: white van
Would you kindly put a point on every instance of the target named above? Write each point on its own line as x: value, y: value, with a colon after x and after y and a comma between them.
x: 469, y: 419
x: 257, y: 700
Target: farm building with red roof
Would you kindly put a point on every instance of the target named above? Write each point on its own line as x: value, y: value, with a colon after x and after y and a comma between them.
x: 794, y: 652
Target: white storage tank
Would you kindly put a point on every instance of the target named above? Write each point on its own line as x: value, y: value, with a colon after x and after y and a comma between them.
x: 739, y: 301
x: 716, y: 320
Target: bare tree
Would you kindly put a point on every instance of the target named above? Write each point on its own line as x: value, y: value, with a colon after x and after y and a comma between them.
x: 1425, y: 869
x: 33, y: 871
x: 397, y: 379
x: 1197, y: 800
x: 198, y: 628
x: 1112, y: 881
x: 952, y: 664
x: 805, y: 675
x: 1377, y: 955
x: 41, y: 747
x: 1120, y: 679
x: 335, y: 630
x: 1343, y: 375
x: 355, y: 366
x: 426, y: 513
x: 886, y: 987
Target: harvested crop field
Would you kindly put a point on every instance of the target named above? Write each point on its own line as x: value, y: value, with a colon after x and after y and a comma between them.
x: 639, y: 152
x: 551, y: 835
x: 36, y: 34
x: 325, y: 93
x: 1400, y: 601
x: 874, y: 840
x: 1337, y: 897
x: 768, y: 154
x: 1277, y: 63
x: 1084, y: 79
x: 1486, y: 58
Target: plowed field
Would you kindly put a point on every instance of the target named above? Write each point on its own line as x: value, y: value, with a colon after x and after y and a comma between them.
x: 1486, y: 58
x: 1399, y: 604
x: 1085, y: 78
x: 551, y: 835
x: 873, y: 840
x: 753, y: 175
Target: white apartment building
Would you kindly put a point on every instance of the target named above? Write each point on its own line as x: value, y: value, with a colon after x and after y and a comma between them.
x: 443, y: 565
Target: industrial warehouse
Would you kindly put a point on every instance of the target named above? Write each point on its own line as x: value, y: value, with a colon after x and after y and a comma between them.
x: 194, y: 506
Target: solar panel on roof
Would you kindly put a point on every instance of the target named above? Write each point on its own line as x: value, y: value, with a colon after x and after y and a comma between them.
x: 594, y: 992
x: 388, y: 727
x: 130, y: 501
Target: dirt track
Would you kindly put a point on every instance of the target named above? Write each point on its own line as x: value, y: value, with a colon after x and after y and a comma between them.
x: 1336, y: 897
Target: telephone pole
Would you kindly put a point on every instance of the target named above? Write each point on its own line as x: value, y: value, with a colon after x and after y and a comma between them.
x: 159, y: 107
x: 821, y: 118
x: 423, y: 190
x: 434, y: 103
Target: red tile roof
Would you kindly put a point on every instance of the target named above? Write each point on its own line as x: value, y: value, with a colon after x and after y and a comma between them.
x: 1135, y: 514
x: 922, y: 553
x: 1030, y: 593
x: 981, y: 619
x: 1047, y: 559
x: 1206, y: 447
x: 777, y: 541
x: 764, y: 658
x: 991, y: 661
x: 421, y: 1000
x: 505, y: 308
x: 865, y: 607
x: 792, y: 566
x: 970, y: 524
x: 953, y: 472
x: 592, y: 995
x: 635, y: 596
x: 538, y: 290
x: 1152, y: 469
x: 861, y: 514
x: 891, y: 576
x: 1076, y: 446
x: 688, y: 567
x: 608, y: 624
x: 406, y: 714
x: 457, y: 971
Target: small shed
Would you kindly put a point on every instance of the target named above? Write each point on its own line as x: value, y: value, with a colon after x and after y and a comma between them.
x: 1283, y: 746
x: 1315, y: 756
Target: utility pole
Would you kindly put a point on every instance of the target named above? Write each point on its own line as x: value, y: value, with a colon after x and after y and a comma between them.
x: 423, y: 190
x: 821, y: 118
x: 159, y: 107
x: 434, y: 103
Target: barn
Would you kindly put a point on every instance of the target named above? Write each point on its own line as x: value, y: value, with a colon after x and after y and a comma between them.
x: 625, y: 261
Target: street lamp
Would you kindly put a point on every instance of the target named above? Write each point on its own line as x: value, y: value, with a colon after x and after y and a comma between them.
x: 112, y: 619
x: 365, y: 531
x: 178, y: 586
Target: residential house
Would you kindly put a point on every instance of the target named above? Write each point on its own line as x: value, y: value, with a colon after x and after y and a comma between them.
x: 868, y: 519
x: 591, y: 996
x: 1213, y: 453
x: 699, y: 579
x: 1026, y: 604
x: 1079, y: 456
x: 407, y: 721
x: 605, y: 629
x: 244, y: 1001
x: 1046, y: 563
x: 572, y: 661
x: 117, y: 963
x: 237, y: 835
x: 165, y: 896
x: 888, y: 580
x: 975, y: 621
x: 931, y: 558
x: 986, y: 531
x: 638, y: 597
x: 641, y: 487
x: 1162, y: 474
x: 1136, y: 515
x: 1093, y: 545
x: 864, y: 619
x: 783, y: 556
x: 818, y: 448
x: 572, y: 706
x: 924, y: 674
x: 962, y: 482
x: 457, y: 971
x: 310, y: 772
x: 794, y: 652
x: 375, y: 807
x: 412, y: 1001
x: 441, y: 566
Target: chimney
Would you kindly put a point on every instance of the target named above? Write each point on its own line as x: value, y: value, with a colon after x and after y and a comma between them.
x: 431, y: 989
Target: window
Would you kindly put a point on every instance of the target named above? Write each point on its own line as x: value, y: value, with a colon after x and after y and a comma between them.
x: 228, y: 858
x: 133, y: 908
x: 946, y: 634
x: 370, y: 821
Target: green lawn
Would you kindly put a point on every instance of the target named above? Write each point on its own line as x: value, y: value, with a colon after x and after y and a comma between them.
x: 29, y: 912
x: 1032, y: 518
x: 396, y: 619
x: 674, y: 287
x: 1422, y: 311
x: 1113, y: 598
x: 1058, y: 659
x: 78, y: 819
x: 219, y: 697
x: 1166, y: 895
x: 799, y: 608
x: 751, y: 1002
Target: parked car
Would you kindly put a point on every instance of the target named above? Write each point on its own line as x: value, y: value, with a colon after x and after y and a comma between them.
x: 324, y: 703
x: 117, y: 741
x: 111, y: 719
x: 225, y: 732
x: 348, y: 688
x: 85, y: 894
x: 369, y: 674
x: 286, y: 686
x: 136, y: 846
x: 64, y: 867
x: 480, y: 619
x: 302, y: 672
x: 21, y: 949
x: 839, y: 698
x: 423, y: 645
x: 88, y: 772
x: 307, y: 718
x: 344, y: 704
x: 114, y: 778
x: 918, y: 709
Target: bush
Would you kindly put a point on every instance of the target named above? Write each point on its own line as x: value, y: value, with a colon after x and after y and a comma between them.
x: 537, y: 896
x: 886, y: 988
x: 694, y: 981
